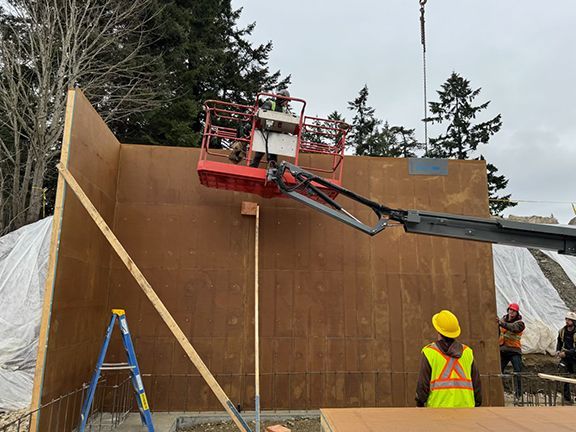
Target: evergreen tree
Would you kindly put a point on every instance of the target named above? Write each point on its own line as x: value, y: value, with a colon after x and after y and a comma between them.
x: 398, y: 141
x: 206, y: 56
x: 382, y: 143
x: 463, y: 136
x: 364, y: 125
x: 407, y: 143
x: 456, y: 109
x: 498, y: 203
x: 336, y: 116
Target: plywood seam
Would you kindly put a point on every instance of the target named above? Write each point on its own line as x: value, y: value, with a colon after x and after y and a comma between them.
x: 114, y: 225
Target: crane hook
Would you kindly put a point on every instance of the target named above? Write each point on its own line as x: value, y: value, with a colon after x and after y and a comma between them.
x: 423, y: 2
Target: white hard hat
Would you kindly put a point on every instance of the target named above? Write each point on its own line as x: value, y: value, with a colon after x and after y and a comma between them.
x: 571, y: 316
x: 284, y: 93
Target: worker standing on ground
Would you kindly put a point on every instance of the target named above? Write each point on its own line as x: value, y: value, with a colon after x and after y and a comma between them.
x: 448, y: 375
x: 511, y: 328
x: 566, y: 351
x: 279, y: 104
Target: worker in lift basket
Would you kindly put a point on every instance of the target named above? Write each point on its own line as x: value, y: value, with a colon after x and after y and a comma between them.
x: 566, y: 352
x: 511, y: 328
x: 238, y: 148
x: 448, y: 376
x: 272, y: 104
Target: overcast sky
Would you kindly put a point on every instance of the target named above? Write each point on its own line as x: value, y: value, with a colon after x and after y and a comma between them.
x: 521, y: 53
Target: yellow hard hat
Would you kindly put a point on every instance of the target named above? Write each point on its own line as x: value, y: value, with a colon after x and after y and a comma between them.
x: 446, y: 323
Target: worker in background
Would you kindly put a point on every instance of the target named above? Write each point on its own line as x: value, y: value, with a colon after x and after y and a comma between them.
x: 448, y: 376
x: 566, y: 351
x: 511, y: 328
x: 238, y: 148
x: 272, y: 104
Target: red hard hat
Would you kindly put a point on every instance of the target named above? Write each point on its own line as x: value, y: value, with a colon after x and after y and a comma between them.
x: 514, y: 307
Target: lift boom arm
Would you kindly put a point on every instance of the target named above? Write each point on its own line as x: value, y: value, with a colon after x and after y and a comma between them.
x: 306, y: 191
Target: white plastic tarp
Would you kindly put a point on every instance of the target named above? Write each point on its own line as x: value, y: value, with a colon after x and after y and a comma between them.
x: 519, y: 280
x: 23, y: 264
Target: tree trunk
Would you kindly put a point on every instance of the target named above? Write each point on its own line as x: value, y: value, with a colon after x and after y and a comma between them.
x: 15, y: 207
x: 2, y: 204
x: 35, y: 204
x: 19, y: 205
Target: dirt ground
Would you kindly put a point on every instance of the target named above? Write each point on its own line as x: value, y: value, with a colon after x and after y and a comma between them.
x: 540, y: 363
x: 557, y: 277
x: 295, y: 425
x: 8, y: 417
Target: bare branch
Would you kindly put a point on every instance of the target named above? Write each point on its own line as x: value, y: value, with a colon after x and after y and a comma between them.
x: 47, y: 46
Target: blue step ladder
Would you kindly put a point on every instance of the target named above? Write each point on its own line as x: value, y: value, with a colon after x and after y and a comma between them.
x: 132, y: 365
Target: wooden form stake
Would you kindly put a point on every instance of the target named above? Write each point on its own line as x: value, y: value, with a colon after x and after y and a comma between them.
x: 252, y: 209
x: 155, y: 300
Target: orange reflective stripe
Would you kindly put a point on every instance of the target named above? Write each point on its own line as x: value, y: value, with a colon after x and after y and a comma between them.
x: 510, y: 335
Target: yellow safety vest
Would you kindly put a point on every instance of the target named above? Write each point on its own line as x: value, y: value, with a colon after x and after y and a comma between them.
x: 273, y: 104
x: 451, y: 378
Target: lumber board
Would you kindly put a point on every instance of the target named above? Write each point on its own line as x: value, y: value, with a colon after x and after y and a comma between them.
x: 257, y: 318
x: 249, y: 208
x: 154, y: 299
x: 557, y: 378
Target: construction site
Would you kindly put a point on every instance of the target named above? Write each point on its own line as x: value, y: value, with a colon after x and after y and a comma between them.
x: 271, y: 281
x: 239, y: 304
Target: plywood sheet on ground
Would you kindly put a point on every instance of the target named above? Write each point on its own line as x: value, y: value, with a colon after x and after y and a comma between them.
x: 527, y: 419
x: 343, y: 316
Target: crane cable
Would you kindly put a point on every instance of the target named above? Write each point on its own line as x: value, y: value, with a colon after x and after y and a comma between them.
x: 423, y: 42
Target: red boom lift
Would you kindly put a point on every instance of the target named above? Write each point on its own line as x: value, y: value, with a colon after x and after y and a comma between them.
x: 313, y: 143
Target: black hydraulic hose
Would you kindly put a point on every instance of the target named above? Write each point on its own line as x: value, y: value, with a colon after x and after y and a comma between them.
x: 297, y: 173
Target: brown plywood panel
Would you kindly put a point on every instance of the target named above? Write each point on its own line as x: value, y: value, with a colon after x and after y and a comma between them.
x: 299, y: 390
x: 76, y: 320
x: 284, y: 304
x: 343, y: 316
x: 301, y: 310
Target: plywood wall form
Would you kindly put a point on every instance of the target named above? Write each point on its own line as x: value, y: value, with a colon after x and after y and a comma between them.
x: 343, y: 316
x: 75, y: 307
